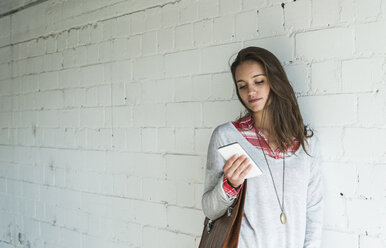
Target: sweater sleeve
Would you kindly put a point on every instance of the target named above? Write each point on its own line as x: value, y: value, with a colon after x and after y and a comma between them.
x: 314, y: 222
x: 214, y: 199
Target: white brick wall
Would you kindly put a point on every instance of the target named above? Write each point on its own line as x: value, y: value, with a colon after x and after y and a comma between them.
x: 106, y: 110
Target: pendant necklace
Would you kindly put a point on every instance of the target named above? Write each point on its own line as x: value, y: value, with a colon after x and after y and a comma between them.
x: 283, y: 217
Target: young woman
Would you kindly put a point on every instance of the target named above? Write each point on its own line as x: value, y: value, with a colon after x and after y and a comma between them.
x: 283, y: 206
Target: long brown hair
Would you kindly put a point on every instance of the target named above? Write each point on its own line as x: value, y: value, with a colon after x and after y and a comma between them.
x: 283, y: 110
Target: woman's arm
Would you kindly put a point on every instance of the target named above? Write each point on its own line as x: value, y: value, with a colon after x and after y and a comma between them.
x: 214, y: 199
x: 314, y: 223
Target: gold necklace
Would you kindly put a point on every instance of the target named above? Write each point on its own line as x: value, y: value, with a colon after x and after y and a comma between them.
x: 283, y: 217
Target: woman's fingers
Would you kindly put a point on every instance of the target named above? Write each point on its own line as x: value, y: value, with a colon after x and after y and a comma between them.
x: 234, y: 167
x: 240, y: 168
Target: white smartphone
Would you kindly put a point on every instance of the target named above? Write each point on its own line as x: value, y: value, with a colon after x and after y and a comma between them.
x: 229, y: 150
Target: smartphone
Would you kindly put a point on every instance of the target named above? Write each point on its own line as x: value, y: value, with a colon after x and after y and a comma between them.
x: 229, y: 150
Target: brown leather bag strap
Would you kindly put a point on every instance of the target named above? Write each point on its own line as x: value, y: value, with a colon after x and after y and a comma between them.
x: 225, y: 231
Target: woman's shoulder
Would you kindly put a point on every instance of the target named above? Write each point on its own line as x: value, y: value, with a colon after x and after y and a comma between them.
x: 223, y: 128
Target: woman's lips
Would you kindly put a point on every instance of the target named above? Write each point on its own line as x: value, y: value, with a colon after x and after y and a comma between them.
x: 254, y: 100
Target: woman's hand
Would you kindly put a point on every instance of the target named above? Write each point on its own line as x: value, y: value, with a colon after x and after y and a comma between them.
x: 236, y: 168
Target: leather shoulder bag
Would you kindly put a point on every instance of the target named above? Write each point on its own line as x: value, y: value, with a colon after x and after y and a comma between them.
x: 224, y: 232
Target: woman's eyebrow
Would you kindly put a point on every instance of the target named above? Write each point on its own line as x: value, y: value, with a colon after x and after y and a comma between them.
x: 251, y: 77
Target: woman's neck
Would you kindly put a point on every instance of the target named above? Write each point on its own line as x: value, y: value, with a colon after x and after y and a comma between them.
x: 261, y: 124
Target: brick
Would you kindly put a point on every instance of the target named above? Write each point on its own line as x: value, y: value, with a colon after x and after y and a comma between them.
x: 188, y: 11
x: 149, y: 144
x: 91, y: 97
x: 5, y: 26
x: 184, y: 140
x: 51, y: 62
x: 31, y: 83
x: 194, y: 216
x: 325, y: 13
x: 159, y: 91
x: 331, y: 144
x: 183, y: 87
x: 170, y: 15
x: 122, y: 28
x: 184, y: 36
x: 271, y: 21
x: 185, y: 194
x: 152, y: 165
x: 345, y: 239
x: 229, y: 7
x: 366, y: 154
x: 153, y: 19
x: 148, y: 213
x: 208, y: 8
x: 372, y: 101
x: 85, y: 35
x: 48, y: 118
x: 368, y: 11
x: 216, y: 58
x: 216, y: 113
x: 292, y: 19
x: 149, y: 115
x: 134, y: 187
x: 165, y: 40
x: 106, y: 51
x: 253, y: 4
x: 69, y: 78
x: 366, y: 220
x: 282, y: 46
x: 72, y: 38
x: 372, y: 241
x: 201, y: 140
x: 329, y: 110
x: 92, y: 52
x: 166, y: 139
x: 70, y: 58
x: 141, y: 67
x: 224, y: 29
x: 348, y: 11
x: 201, y: 88
x: 96, y: 32
x: 109, y: 27
x: 203, y: 32
x: 183, y: 114
x: 297, y: 75
x: 369, y: 179
x: 133, y: 92
x: 361, y: 75
x: 333, y: 180
x: 121, y: 71
x: 182, y: 63
x: 121, y: 116
x: 91, y: 117
x: 48, y: 81
x: 331, y: 43
x: 134, y: 46
x: 159, y: 190
x: 246, y: 25
x: 50, y: 99
x: 149, y: 43
x: 5, y: 55
x: 91, y: 75
x: 184, y: 168
x: 325, y: 76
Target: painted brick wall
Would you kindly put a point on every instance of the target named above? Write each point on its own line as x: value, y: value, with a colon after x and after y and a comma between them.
x: 106, y: 110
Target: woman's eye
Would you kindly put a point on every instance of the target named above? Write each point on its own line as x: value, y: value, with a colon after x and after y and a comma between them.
x: 241, y: 87
x: 260, y: 82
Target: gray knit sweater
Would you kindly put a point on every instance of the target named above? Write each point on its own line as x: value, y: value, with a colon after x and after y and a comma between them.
x: 261, y: 226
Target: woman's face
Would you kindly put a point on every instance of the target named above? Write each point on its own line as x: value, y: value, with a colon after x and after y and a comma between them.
x: 252, y: 85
